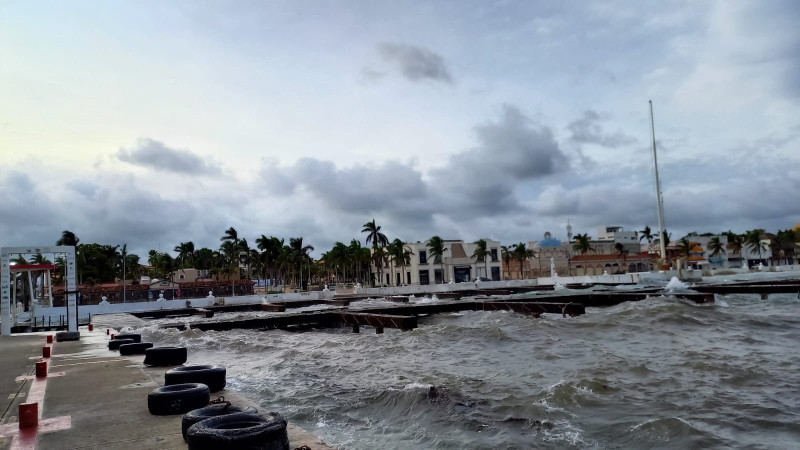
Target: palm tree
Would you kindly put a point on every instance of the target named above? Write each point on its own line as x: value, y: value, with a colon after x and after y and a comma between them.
x: 395, y: 252
x: 481, y: 253
x: 582, y: 244
x: 186, y: 254
x: 505, y: 254
x: 40, y: 259
x: 374, y: 234
x: 665, y: 236
x: 377, y: 239
x: 230, y: 235
x: 521, y: 253
x: 379, y: 259
x: 622, y: 253
x: 736, y: 243
x: 399, y: 254
x: 436, y: 249
x: 299, y: 254
x: 684, y: 248
x: 716, y: 246
x: 752, y: 239
x: 646, y: 234
x: 68, y: 238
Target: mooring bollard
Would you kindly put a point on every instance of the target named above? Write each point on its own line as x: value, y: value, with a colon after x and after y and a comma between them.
x: 49, y: 338
x: 41, y: 369
x: 91, y: 327
x: 112, y: 336
x: 28, y: 415
x: 108, y: 331
x: 45, y: 352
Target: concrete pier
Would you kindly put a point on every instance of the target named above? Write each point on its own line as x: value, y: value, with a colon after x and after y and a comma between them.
x: 91, y: 398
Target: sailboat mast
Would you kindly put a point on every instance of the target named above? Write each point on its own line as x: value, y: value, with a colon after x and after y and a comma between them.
x: 660, y: 202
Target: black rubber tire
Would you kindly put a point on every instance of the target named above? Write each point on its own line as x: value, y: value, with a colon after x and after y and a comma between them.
x: 115, y: 343
x: 165, y: 356
x: 192, y: 417
x: 240, y: 431
x: 135, y: 336
x: 136, y: 348
x: 63, y: 336
x: 211, y: 376
x: 178, y: 399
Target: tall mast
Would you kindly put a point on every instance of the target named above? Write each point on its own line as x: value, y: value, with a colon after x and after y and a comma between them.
x: 660, y: 202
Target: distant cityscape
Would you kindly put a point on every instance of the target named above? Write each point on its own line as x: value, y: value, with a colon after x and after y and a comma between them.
x: 273, y: 265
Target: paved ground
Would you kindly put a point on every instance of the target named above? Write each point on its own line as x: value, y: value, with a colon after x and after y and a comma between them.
x: 95, y: 399
x: 15, y: 354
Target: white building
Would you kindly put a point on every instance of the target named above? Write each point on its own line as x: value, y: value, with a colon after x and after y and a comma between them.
x: 610, y: 235
x: 457, y: 264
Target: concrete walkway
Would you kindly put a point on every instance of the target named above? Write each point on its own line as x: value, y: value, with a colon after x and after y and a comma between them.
x: 93, y: 398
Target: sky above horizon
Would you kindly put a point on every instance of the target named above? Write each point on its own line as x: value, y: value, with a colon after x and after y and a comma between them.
x: 151, y: 123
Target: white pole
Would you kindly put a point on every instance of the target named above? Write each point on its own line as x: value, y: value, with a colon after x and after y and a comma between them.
x: 659, y: 201
x: 32, y: 293
x: 124, y: 257
x: 5, y: 294
x: 50, y: 288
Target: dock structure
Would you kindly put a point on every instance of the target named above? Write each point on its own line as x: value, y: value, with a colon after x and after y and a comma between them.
x: 405, y: 316
x: 760, y: 288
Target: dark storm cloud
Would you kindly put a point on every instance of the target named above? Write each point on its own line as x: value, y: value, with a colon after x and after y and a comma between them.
x: 485, y: 179
x: 416, y: 63
x: 155, y: 155
x: 478, y: 182
x: 588, y: 129
x: 390, y: 188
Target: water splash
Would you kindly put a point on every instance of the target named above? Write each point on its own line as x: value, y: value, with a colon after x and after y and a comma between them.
x: 676, y: 284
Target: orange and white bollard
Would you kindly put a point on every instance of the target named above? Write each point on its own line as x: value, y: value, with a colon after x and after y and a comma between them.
x: 91, y: 327
x: 49, y: 338
x: 41, y: 369
x: 28, y: 415
x: 45, y: 352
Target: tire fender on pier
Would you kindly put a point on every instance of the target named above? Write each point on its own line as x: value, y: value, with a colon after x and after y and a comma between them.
x: 114, y: 344
x: 194, y: 416
x: 165, y: 356
x: 211, y: 376
x: 239, y: 431
x: 178, y: 399
x: 136, y: 348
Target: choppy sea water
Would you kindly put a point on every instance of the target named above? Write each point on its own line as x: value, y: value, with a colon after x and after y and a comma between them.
x: 660, y: 373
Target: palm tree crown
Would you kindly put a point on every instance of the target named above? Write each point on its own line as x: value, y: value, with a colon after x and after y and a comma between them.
x: 68, y: 238
x: 582, y: 244
x: 647, y: 234
x: 374, y: 234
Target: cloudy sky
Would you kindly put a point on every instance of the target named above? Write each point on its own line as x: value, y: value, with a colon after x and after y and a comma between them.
x: 153, y: 122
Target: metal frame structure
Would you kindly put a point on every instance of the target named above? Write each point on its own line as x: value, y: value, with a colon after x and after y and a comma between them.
x: 5, y: 283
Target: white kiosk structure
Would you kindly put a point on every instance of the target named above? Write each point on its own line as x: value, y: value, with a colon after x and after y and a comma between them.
x: 5, y: 283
